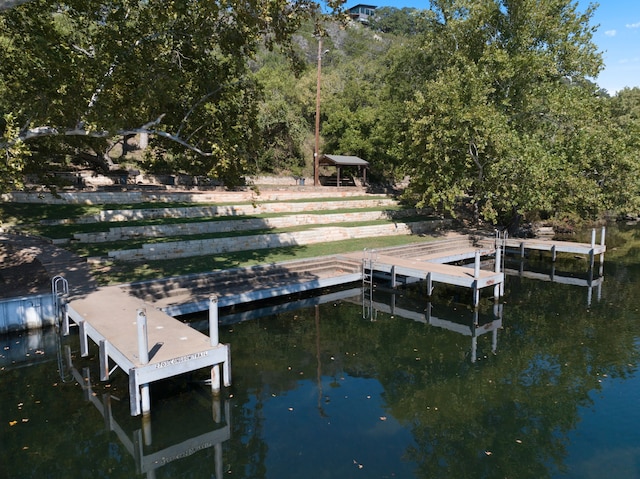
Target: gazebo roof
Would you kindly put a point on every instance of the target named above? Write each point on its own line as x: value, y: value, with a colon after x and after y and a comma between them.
x: 340, y: 160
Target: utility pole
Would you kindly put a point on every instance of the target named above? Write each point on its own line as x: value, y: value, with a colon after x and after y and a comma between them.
x: 316, y: 153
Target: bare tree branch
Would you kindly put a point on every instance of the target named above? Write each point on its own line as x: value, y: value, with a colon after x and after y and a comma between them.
x: 44, y: 131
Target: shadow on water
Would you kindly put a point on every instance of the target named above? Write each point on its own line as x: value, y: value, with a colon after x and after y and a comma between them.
x: 392, y: 386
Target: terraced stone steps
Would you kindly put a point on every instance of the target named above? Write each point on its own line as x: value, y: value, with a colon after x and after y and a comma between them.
x: 423, y: 251
x: 125, y: 233
x: 212, y: 211
x: 190, y: 248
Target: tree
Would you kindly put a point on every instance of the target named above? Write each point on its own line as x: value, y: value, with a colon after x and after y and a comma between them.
x: 500, y: 110
x: 398, y: 21
x: 177, y: 70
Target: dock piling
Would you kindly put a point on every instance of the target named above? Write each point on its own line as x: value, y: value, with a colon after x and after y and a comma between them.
x: 496, y: 288
x: 214, y: 337
x: 476, y: 277
x: 143, y: 356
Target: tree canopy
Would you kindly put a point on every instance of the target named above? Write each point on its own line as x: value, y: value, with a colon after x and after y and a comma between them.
x: 85, y: 71
x: 493, y: 103
x: 501, y: 108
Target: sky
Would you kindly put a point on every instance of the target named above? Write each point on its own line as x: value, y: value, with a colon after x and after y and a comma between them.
x: 617, y: 37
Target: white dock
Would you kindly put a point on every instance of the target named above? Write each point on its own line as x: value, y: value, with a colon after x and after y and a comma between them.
x: 590, y: 249
x: 432, y: 270
x: 146, y: 343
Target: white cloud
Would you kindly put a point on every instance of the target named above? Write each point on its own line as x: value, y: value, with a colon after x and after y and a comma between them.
x: 633, y: 25
x: 610, y: 33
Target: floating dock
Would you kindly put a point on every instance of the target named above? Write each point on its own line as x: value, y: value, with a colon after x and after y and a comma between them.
x: 149, y: 345
x: 435, y: 270
x: 589, y: 249
x: 146, y: 343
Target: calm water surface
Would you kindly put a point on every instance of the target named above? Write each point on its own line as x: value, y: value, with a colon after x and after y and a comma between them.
x: 546, y: 386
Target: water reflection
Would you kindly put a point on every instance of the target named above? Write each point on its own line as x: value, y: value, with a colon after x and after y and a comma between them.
x: 456, y: 318
x: 154, y: 444
x: 540, y: 270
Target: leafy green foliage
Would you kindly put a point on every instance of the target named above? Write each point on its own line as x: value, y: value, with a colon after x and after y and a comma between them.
x: 177, y: 70
x: 399, y: 21
x: 500, y: 109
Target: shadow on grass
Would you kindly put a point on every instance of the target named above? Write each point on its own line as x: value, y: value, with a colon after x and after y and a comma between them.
x: 123, y: 272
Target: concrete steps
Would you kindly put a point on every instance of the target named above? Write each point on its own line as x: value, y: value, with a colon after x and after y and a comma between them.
x: 198, y: 287
x: 227, y: 210
x: 190, y: 248
x: 126, y: 233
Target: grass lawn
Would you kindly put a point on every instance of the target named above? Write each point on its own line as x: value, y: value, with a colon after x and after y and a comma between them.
x: 124, y: 272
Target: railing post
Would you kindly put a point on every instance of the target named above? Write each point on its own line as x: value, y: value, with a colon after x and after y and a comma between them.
x: 476, y: 276
x: 592, y: 252
x: 214, y: 338
x: 213, y: 321
x: 496, y: 288
x: 143, y: 357
x: 602, y: 243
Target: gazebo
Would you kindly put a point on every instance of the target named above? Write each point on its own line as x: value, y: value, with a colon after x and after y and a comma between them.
x: 340, y: 161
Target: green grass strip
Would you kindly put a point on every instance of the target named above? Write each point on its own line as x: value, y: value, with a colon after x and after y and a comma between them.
x: 102, y: 249
x: 68, y: 230
x: 124, y: 272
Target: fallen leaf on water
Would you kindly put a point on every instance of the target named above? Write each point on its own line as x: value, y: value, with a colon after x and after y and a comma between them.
x: 13, y: 423
x: 488, y: 453
x: 383, y: 418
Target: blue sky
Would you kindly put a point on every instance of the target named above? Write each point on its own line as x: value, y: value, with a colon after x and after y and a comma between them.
x: 617, y: 37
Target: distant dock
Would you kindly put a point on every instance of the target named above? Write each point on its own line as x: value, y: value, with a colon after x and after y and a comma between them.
x: 553, y: 246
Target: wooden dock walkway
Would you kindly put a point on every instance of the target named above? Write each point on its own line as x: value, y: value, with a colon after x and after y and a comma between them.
x: 145, y: 343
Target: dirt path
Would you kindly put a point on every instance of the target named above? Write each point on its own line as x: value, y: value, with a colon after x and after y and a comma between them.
x: 27, y: 265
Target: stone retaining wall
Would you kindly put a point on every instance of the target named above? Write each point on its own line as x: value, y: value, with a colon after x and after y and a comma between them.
x: 157, y: 231
x: 231, y: 210
x: 185, y: 249
x: 141, y: 196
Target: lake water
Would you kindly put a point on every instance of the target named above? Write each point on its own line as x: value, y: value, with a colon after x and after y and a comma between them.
x: 545, y: 386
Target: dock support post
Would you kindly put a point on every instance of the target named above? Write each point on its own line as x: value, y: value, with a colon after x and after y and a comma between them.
x: 393, y: 276
x: 602, y: 234
x: 429, y: 285
x: 496, y: 288
x: 143, y: 356
x: 104, y: 360
x: 553, y: 253
x: 476, y: 276
x: 213, y: 335
x: 522, y: 249
x: 84, y: 340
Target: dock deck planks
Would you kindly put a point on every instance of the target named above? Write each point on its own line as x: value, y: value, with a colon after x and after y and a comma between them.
x: 109, y: 317
x: 558, y: 246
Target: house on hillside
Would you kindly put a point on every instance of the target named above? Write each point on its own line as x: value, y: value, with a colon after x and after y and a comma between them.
x: 361, y: 13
